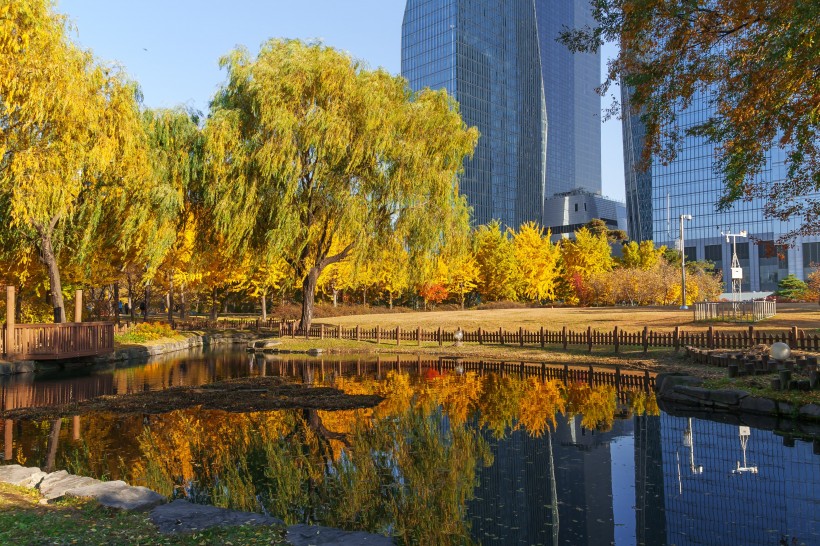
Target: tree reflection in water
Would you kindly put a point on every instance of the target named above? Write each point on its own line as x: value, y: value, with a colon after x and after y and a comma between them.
x: 406, y: 467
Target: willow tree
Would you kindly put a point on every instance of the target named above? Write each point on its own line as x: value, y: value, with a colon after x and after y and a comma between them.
x: 175, y: 143
x: 307, y: 147
x: 72, y: 157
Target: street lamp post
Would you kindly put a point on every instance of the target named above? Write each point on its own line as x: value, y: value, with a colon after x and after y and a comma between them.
x: 683, y: 263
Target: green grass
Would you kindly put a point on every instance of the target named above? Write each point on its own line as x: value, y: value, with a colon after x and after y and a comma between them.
x: 25, y: 522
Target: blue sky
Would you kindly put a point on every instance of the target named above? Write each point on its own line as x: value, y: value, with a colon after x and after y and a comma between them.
x: 172, y: 48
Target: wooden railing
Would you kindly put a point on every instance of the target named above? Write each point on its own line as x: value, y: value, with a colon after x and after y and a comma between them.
x: 59, y: 341
x: 565, y: 338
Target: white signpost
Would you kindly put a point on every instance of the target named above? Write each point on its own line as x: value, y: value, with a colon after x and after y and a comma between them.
x: 737, y: 271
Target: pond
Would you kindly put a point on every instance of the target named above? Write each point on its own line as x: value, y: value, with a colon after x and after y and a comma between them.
x: 457, y: 453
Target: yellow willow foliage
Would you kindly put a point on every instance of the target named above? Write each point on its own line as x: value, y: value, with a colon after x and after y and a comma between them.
x: 540, y: 403
x: 307, y: 148
x: 177, y: 443
x: 537, y: 260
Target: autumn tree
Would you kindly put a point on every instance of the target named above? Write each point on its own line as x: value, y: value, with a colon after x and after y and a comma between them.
x: 584, y: 256
x: 537, y: 261
x: 498, y: 273
x: 306, y: 146
x: 72, y: 151
x: 175, y: 143
x: 756, y: 63
x: 641, y: 255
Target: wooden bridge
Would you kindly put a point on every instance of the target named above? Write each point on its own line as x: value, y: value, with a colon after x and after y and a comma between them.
x: 57, y: 341
x: 54, y: 341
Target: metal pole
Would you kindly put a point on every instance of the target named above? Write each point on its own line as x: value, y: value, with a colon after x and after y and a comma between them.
x: 682, y: 268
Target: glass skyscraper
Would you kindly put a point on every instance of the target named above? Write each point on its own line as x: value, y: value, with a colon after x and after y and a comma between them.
x: 692, y: 184
x: 532, y: 100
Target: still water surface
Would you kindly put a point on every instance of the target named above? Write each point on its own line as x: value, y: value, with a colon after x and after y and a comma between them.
x: 447, y: 458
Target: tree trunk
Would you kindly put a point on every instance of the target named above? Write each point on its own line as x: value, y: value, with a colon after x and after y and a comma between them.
x: 53, y: 441
x: 183, y: 307
x: 50, y: 261
x: 462, y: 300
x: 117, y: 303
x: 214, y: 305
x: 335, y: 297
x: 171, y: 300
x: 147, y: 300
x: 264, y: 307
x: 131, y: 310
x: 390, y: 299
x: 308, y: 292
x: 364, y: 296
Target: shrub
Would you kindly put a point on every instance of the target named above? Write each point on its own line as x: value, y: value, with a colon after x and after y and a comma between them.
x: 146, y: 331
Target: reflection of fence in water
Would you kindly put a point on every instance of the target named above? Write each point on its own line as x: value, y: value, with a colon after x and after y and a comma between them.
x: 624, y: 381
x: 19, y: 393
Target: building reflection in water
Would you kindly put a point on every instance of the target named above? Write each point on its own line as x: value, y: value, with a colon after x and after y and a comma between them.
x: 649, y: 480
x: 754, y: 488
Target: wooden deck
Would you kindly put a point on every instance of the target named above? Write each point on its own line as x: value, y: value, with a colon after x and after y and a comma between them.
x: 58, y: 341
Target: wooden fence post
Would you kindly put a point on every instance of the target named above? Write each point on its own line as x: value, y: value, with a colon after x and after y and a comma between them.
x: 418, y: 335
x: 438, y: 336
x: 78, y: 306
x: 520, y: 336
x: 322, y: 331
x: 378, y: 334
x: 710, y: 338
x: 617, y: 379
x: 564, y: 337
x: 646, y: 381
x: 645, y: 338
x: 591, y: 376
x: 501, y: 335
x: 676, y: 338
x: 398, y: 336
x: 358, y: 333
x: 751, y: 336
x: 541, y: 337
x: 480, y: 338
x: 10, y: 325
x: 615, y: 339
x: 793, y: 337
x: 589, y: 340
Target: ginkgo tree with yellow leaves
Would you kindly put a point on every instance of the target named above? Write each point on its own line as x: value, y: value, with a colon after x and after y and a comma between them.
x: 538, y: 259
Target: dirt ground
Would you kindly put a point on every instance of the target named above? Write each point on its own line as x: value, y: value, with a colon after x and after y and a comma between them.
x: 805, y: 316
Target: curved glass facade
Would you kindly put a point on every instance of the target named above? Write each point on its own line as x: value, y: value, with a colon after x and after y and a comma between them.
x: 531, y: 99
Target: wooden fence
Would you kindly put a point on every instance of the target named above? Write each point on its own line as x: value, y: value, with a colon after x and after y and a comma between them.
x: 59, y: 341
x: 565, y: 338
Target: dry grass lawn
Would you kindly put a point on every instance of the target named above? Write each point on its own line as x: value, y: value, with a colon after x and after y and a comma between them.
x: 804, y: 316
